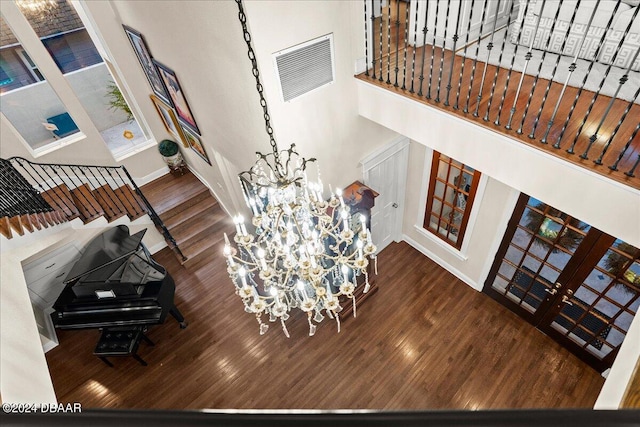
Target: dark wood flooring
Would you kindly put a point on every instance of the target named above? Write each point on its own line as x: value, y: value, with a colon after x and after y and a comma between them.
x: 434, y: 85
x: 424, y: 341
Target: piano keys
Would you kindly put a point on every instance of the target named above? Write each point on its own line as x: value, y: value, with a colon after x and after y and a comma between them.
x: 116, y: 282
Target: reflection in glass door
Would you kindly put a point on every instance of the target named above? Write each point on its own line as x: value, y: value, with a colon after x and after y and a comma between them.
x: 577, y: 284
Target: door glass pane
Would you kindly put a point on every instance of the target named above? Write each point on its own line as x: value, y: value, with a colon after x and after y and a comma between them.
x: 63, y: 34
x: 557, y: 236
x: 598, y: 315
x: 27, y: 99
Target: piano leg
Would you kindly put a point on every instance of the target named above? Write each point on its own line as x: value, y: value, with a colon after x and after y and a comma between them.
x: 178, y: 316
x: 104, y: 359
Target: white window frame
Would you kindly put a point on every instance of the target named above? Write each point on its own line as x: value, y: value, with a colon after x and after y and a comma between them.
x: 45, y: 64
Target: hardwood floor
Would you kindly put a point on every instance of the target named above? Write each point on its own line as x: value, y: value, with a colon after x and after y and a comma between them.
x: 394, y: 56
x: 424, y: 341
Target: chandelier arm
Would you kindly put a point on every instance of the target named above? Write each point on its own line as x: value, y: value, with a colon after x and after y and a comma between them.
x: 256, y: 73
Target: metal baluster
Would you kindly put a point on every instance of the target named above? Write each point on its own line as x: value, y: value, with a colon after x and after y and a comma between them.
x: 527, y: 57
x: 389, y: 42
x: 614, y: 167
x: 623, y: 80
x: 433, y: 49
x: 125, y: 182
x: 397, y: 23
x: 453, y: 52
x: 586, y: 76
x: 464, y: 55
x: 598, y: 161
x: 373, y: 43
x: 631, y: 172
x: 381, y: 46
x: 107, y: 193
x: 475, y: 59
x: 415, y: 41
x: 97, y: 193
x: 42, y: 180
x: 406, y: 40
x: 486, y: 63
x: 444, y: 45
x: 155, y: 217
x: 366, y: 42
x: 572, y: 68
x: 495, y: 77
x: 553, y: 73
x: 425, y: 30
x: 606, y: 74
x: 88, y: 204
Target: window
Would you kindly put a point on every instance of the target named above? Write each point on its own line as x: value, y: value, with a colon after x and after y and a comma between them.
x: 64, y: 48
x: 452, y: 188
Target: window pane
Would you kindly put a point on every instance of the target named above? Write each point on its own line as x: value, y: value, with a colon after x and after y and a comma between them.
x: 27, y: 99
x: 452, y: 184
x: 63, y: 34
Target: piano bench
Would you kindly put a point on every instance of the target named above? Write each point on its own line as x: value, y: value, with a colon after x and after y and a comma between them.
x: 121, y: 341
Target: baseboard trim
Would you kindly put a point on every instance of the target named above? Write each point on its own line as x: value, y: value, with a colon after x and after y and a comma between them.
x: 152, y: 176
x: 157, y: 247
x: 213, y: 193
x: 466, y: 279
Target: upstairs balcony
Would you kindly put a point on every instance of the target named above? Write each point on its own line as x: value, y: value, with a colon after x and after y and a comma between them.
x: 562, y: 76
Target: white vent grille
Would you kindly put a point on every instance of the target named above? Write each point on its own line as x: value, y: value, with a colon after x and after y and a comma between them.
x: 305, y: 67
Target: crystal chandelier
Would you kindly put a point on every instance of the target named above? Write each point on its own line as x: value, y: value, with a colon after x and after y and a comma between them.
x: 304, y: 253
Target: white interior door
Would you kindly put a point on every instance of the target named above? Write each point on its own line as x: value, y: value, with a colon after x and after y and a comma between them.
x: 385, y: 171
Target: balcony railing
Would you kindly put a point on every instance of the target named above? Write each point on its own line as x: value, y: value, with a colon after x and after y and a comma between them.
x: 561, y: 75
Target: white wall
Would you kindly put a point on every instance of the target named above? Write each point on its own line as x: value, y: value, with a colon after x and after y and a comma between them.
x: 513, y: 167
x: 208, y: 54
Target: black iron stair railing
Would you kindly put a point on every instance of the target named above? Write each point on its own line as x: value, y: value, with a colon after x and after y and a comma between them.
x: 443, y: 23
x: 26, y: 181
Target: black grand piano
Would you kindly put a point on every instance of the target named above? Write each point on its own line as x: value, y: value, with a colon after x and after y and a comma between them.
x: 116, y: 283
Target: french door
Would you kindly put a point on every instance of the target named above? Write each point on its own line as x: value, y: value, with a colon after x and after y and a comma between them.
x: 575, y: 283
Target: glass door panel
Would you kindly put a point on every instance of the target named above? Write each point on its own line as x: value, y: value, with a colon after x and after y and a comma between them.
x: 575, y: 283
x: 542, y: 243
x: 597, y: 315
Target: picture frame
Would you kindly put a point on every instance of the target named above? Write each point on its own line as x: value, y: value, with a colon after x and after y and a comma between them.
x: 146, y: 62
x: 169, y: 119
x: 178, y: 99
x: 195, y: 143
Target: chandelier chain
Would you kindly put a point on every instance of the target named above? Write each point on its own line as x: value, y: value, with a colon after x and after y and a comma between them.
x: 256, y: 73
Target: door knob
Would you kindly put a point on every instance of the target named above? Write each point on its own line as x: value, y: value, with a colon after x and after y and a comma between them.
x: 551, y: 291
x: 395, y: 205
x: 565, y: 299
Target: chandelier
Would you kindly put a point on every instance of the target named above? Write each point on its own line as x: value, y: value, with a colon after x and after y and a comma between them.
x: 303, y: 253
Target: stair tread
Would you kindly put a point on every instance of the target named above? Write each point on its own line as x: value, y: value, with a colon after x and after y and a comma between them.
x: 59, y: 198
x: 190, y: 212
x: 172, y: 191
x: 196, y: 225
x: 87, y: 205
x: 131, y: 202
x: 109, y: 201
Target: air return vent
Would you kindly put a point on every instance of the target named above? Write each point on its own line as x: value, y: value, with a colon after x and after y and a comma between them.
x: 305, y: 67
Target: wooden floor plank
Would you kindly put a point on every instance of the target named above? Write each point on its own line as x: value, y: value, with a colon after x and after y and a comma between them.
x: 425, y: 340
x: 452, y: 65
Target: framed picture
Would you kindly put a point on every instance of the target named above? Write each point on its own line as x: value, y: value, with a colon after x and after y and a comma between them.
x: 194, y: 142
x: 146, y: 61
x: 176, y: 94
x: 169, y: 119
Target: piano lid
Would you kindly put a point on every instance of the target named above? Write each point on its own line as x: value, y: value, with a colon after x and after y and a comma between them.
x: 113, y: 245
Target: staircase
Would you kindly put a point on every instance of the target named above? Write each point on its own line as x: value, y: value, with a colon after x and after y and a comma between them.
x: 38, y: 195
x: 192, y: 216
x: 81, y: 202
